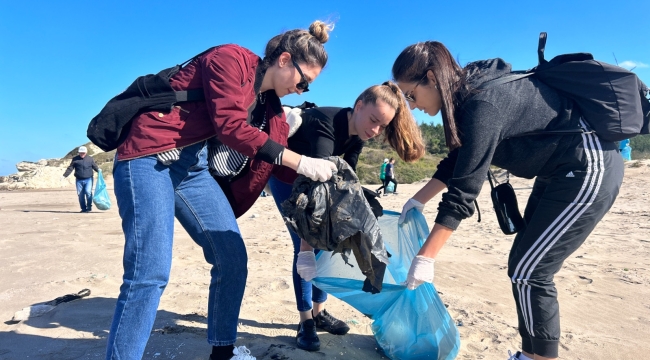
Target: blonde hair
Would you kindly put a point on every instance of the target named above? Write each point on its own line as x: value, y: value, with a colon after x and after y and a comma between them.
x: 402, y: 133
x: 304, y: 46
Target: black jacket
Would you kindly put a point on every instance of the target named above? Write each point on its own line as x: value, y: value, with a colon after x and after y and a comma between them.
x: 83, y: 167
x: 487, y: 122
x: 324, y: 133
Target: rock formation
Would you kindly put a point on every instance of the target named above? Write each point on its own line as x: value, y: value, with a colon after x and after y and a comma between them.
x: 46, y: 173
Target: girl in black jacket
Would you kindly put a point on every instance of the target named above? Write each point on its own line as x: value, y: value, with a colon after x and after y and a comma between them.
x: 333, y: 131
x: 577, y: 176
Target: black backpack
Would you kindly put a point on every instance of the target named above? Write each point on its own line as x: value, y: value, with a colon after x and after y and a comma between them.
x: 611, y: 99
x: 147, y: 93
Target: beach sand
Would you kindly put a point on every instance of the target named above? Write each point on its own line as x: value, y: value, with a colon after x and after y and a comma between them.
x: 48, y: 249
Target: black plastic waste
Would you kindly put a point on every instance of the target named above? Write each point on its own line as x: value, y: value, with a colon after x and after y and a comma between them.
x: 336, y: 216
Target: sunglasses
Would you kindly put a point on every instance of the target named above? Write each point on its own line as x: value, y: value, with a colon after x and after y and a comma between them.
x: 409, y: 95
x: 303, y: 85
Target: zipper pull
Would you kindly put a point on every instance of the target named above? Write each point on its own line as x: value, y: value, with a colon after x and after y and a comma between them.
x: 181, y: 109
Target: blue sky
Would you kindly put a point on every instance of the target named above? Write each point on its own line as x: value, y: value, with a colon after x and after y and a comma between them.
x: 63, y: 60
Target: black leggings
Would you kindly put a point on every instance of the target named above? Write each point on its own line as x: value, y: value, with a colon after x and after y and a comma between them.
x: 387, y: 180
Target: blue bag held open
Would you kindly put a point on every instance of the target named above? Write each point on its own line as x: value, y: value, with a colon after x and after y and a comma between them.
x: 408, y: 324
x: 101, y: 199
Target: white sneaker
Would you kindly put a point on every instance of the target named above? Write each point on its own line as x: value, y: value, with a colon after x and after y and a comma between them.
x: 241, y: 353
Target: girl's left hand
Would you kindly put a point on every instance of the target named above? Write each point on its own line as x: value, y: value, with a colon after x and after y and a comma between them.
x: 421, y: 271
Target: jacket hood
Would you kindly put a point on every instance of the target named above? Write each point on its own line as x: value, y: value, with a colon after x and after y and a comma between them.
x: 481, y: 71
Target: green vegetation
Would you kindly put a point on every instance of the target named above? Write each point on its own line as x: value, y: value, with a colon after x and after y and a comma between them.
x: 376, y: 150
x: 369, y: 164
x: 640, y: 147
x: 371, y: 159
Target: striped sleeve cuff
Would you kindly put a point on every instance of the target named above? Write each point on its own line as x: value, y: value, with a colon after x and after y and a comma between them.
x: 278, y: 160
x: 269, y: 152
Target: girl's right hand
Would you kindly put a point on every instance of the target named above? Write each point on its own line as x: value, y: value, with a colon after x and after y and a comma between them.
x: 316, y: 169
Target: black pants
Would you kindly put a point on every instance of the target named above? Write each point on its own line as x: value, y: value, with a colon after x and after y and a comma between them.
x: 387, y: 180
x: 563, y: 209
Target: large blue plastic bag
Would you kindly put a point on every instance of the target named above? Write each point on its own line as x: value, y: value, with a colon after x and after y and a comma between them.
x: 101, y: 199
x: 407, y: 324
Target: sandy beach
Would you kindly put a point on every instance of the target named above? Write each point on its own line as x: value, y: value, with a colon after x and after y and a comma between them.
x: 49, y: 249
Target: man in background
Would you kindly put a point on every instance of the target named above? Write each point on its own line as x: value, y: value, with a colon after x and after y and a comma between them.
x: 83, y: 166
x: 390, y: 176
x: 382, y: 176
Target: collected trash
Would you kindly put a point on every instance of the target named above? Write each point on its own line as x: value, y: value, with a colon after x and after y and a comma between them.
x: 408, y: 324
x: 101, y: 199
x: 336, y: 216
x: 37, y: 310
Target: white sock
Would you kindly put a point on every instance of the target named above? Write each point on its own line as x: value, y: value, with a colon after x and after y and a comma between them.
x: 523, y: 357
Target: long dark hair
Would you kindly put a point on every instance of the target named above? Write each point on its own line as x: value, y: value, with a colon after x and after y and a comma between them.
x: 412, y: 65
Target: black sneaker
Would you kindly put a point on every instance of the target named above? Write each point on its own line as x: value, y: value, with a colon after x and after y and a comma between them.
x: 330, y: 324
x: 307, y: 339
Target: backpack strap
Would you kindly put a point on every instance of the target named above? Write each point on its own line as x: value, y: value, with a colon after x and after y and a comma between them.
x: 190, y: 95
x: 541, y: 47
x: 505, y: 79
x: 196, y: 56
x: 193, y: 94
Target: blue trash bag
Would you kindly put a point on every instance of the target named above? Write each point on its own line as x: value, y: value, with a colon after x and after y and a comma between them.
x: 626, y: 150
x: 101, y: 199
x: 390, y: 187
x: 408, y: 324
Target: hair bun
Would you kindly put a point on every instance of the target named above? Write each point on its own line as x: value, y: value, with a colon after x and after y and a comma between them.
x: 320, y: 30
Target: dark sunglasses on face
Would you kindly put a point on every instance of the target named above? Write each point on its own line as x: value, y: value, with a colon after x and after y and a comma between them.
x: 303, y: 85
x: 409, y: 95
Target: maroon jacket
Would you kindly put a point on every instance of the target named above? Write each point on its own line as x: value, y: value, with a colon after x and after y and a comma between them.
x: 227, y: 76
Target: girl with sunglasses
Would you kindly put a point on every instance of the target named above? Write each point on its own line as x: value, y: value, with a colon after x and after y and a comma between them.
x: 165, y: 169
x: 334, y: 131
x: 578, y: 176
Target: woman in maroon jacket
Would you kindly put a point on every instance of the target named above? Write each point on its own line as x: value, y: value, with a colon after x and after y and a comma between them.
x: 165, y: 169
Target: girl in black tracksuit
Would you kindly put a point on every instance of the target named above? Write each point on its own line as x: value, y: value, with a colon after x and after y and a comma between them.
x: 578, y: 176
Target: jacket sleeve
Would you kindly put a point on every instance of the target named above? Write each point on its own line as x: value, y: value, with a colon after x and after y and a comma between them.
x: 95, y: 167
x: 481, y: 135
x: 446, y: 167
x: 70, y: 168
x: 225, y: 74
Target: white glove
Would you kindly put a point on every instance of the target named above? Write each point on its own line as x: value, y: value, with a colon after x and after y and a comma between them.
x: 306, y: 265
x: 412, y: 203
x: 421, y: 271
x: 294, y: 119
x: 316, y: 169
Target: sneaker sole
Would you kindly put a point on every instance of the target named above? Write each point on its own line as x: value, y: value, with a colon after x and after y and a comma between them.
x: 308, y: 348
x: 339, y: 332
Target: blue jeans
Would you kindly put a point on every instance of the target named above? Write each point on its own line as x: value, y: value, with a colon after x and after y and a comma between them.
x: 149, y: 195
x: 85, y: 193
x: 304, y: 290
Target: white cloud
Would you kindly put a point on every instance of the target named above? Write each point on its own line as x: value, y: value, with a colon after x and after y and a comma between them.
x: 628, y: 64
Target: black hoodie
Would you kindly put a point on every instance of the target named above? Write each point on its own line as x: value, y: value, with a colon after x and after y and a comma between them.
x: 486, y: 121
